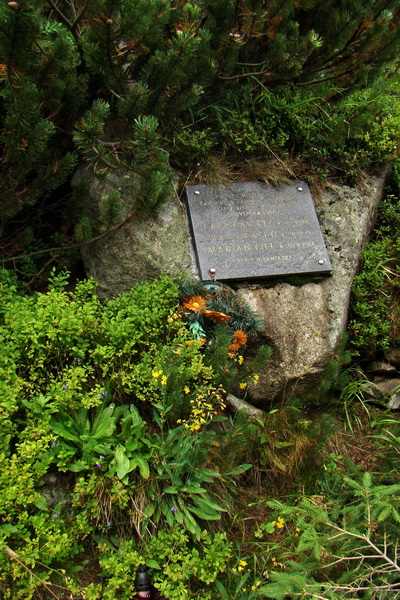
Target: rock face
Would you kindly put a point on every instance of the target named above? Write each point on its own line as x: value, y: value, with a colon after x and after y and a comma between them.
x: 303, y: 321
x: 142, y: 248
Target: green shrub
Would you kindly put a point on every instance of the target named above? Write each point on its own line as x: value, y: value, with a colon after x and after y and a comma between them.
x: 110, y: 402
x: 374, y: 322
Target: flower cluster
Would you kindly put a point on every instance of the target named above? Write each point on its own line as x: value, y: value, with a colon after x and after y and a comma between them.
x: 172, y: 317
x: 276, y: 564
x: 203, y: 408
x: 279, y: 523
x: 198, y: 304
x: 241, y: 566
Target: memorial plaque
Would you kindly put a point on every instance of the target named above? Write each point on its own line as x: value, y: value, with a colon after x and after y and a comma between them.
x: 248, y: 230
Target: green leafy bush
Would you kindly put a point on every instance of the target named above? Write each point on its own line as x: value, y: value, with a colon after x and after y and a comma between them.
x: 109, y: 401
x: 374, y: 323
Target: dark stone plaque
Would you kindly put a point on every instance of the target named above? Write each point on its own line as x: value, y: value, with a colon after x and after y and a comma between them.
x: 251, y: 229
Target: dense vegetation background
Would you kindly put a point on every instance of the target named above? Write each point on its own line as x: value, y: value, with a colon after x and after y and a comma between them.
x: 116, y: 448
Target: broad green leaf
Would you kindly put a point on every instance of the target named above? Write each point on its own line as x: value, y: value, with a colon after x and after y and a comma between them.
x: 76, y: 467
x: 60, y: 430
x: 123, y: 462
x: 214, y: 516
x: 193, y: 490
x: 222, y: 590
x: 178, y: 516
x: 239, y: 470
x: 41, y: 503
x: 149, y: 509
x: 7, y: 528
x: 132, y: 444
x: 207, y: 504
x: 144, y: 467
x: 268, y: 528
x: 170, y: 490
x: 105, y: 428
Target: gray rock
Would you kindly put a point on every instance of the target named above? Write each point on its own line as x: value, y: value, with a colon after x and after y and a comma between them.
x: 237, y: 404
x: 303, y: 323
x: 380, y: 366
x: 142, y: 248
x: 390, y: 390
x: 393, y: 356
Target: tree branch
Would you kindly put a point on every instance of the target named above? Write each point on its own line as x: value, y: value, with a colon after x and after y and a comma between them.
x: 69, y: 247
x: 79, y: 16
x: 61, y: 15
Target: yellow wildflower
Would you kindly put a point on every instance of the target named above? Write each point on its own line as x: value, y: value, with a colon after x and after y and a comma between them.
x: 243, y: 563
x: 186, y: 389
x: 163, y: 380
x: 156, y: 373
x: 256, y: 378
x: 280, y: 523
x: 241, y: 360
x: 243, y: 386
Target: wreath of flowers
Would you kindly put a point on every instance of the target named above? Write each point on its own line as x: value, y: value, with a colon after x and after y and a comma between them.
x: 204, y: 306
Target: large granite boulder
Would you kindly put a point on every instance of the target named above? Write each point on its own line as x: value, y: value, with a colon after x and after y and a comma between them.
x: 141, y: 248
x: 302, y: 320
x: 303, y: 323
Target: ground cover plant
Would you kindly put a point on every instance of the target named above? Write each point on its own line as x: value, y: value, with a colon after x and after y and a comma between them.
x: 375, y: 316
x: 113, y: 457
x: 109, y: 403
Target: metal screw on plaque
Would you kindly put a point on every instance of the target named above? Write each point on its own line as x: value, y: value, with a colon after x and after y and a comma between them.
x: 212, y: 273
x: 299, y: 189
x: 321, y: 262
x: 197, y: 192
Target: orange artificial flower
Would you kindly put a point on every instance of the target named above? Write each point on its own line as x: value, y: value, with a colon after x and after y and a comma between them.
x: 216, y: 317
x: 240, y: 337
x: 233, y: 348
x: 194, y: 303
x: 239, y: 340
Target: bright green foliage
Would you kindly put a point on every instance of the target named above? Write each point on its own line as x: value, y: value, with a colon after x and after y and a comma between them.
x: 352, y: 132
x: 374, y: 322
x: 110, y: 399
x: 178, y: 569
x: 337, y: 547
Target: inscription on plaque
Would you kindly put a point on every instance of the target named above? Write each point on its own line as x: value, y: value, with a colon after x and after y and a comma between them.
x: 251, y: 229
